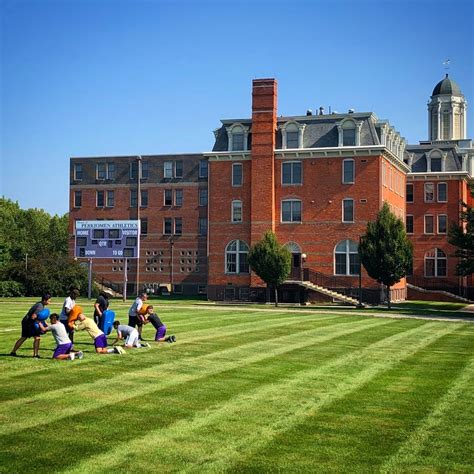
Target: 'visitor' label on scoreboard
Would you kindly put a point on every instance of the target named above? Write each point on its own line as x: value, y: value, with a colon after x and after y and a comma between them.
x: 107, y: 239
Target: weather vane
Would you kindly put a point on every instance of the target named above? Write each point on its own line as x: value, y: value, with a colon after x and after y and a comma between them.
x: 446, y: 63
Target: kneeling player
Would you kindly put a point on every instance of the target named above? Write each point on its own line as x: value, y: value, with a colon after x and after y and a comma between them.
x: 160, y: 336
x: 100, y: 340
x: 63, y: 349
x: 131, y: 336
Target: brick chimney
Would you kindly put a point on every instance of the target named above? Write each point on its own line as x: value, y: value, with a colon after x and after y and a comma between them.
x: 264, y: 123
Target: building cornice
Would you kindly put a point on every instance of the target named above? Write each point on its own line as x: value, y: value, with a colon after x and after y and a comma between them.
x: 228, y: 155
x: 443, y: 175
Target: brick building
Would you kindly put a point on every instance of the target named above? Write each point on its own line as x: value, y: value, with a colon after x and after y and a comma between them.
x: 315, y: 180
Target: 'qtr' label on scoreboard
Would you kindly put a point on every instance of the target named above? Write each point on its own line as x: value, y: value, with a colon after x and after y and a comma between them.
x: 107, y: 239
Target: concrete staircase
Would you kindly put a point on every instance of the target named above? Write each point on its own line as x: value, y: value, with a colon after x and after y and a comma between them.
x: 325, y: 291
x: 451, y: 296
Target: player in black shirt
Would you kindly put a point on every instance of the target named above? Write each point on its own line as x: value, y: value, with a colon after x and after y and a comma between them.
x: 160, y: 336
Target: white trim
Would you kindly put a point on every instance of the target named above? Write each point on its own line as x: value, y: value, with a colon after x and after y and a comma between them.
x: 242, y: 175
x: 353, y: 210
x: 281, y: 210
x: 235, y: 201
x: 437, y: 192
x: 353, y: 170
x: 424, y: 193
x: 435, y: 258
x: 413, y: 224
x: 292, y: 183
x: 347, y: 253
x: 437, y: 224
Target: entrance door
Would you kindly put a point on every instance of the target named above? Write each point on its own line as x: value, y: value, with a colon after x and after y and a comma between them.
x: 296, y: 266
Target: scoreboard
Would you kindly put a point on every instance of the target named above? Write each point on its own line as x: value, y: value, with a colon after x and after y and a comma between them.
x: 107, y: 239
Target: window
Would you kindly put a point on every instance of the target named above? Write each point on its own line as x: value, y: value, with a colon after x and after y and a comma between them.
x: 291, y: 172
x: 133, y: 198
x: 429, y: 224
x: 168, y: 169
x: 100, y: 199
x: 236, y: 211
x: 435, y: 163
x: 144, y: 198
x: 144, y: 226
x: 237, y: 174
x: 291, y: 210
x: 237, y: 138
x: 203, y: 168
x: 442, y: 224
x: 346, y: 258
x: 178, y: 225
x: 348, y: 133
x: 173, y: 169
x: 236, y: 254
x: 435, y: 263
x: 348, y: 169
x: 178, y: 197
x: 110, y: 171
x: 409, y: 224
x: 78, y: 171
x: 168, y: 195
x: 442, y: 192
x: 133, y: 170
x: 77, y: 198
x: 203, y: 197
x: 110, y: 199
x: 429, y: 192
x: 202, y: 226
x: 144, y: 169
x: 100, y: 171
x: 347, y: 210
x: 292, y: 139
x: 167, y: 225
x: 409, y: 192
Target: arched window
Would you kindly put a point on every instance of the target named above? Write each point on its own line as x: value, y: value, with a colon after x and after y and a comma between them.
x: 293, y: 247
x: 292, y: 134
x: 435, y: 161
x: 348, y: 133
x: 435, y: 263
x: 236, y: 254
x: 237, y: 136
x: 346, y: 258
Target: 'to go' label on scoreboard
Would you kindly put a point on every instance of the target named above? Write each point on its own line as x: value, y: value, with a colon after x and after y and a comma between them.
x: 107, y: 239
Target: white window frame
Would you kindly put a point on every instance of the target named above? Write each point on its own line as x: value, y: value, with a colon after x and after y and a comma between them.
x: 424, y: 224
x: 170, y: 193
x: 78, y: 165
x: 412, y: 222
x: 108, y: 202
x: 203, y: 197
x: 424, y: 192
x: 77, y: 193
x: 170, y: 219
x: 436, y: 259
x: 353, y: 211
x: 437, y: 224
x: 238, y: 252
x: 203, y: 168
x: 234, y: 166
x: 292, y: 201
x: 178, y: 192
x: 111, y: 165
x: 103, y: 171
x: 437, y: 191
x: 168, y: 169
x: 348, y: 160
x: 347, y: 253
x: 292, y: 179
x: 237, y: 203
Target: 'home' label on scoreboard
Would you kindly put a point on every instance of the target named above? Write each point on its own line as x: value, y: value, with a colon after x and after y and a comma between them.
x: 107, y: 239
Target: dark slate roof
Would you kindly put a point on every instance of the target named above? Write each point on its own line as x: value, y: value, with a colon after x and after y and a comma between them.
x: 447, y: 86
x: 421, y: 152
x: 320, y: 131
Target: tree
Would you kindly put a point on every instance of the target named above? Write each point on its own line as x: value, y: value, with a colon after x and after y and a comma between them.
x: 385, y: 250
x: 462, y: 237
x: 270, y: 261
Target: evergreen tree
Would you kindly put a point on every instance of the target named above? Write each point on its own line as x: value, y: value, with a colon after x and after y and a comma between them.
x: 462, y: 237
x: 385, y: 250
x: 270, y: 261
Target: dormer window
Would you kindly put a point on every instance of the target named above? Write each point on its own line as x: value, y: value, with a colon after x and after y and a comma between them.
x: 436, y: 161
x: 237, y: 137
x: 292, y: 135
x: 349, y: 132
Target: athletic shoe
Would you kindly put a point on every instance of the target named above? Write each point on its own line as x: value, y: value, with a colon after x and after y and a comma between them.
x: 13, y: 354
x: 173, y: 338
x: 37, y: 357
x: 80, y: 355
x: 120, y: 350
x: 117, y: 350
x: 145, y: 344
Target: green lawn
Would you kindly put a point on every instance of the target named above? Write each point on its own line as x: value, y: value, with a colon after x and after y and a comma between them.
x: 244, y: 390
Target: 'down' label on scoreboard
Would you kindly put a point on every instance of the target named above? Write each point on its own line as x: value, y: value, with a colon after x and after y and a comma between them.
x: 107, y: 239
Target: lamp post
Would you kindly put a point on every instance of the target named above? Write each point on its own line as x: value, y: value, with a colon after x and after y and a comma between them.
x: 139, y: 204
x: 171, y: 264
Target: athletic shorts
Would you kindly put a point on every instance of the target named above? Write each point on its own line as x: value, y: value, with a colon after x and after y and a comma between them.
x: 62, y: 349
x: 100, y: 341
x: 28, y: 328
x: 160, y: 332
x: 134, y: 321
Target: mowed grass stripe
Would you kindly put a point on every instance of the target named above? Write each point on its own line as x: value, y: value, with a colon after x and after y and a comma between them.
x: 152, y: 379
x: 14, y: 369
x: 408, y: 453
x: 246, y: 432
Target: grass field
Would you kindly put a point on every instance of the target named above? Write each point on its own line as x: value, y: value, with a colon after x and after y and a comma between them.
x: 244, y: 390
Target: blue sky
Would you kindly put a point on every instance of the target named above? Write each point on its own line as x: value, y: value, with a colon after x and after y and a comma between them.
x: 103, y: 77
